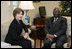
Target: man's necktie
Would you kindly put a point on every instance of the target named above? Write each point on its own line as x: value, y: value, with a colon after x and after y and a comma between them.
x: 55, y: 20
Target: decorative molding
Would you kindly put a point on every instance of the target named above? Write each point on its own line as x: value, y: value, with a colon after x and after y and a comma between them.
x: 36, y: 1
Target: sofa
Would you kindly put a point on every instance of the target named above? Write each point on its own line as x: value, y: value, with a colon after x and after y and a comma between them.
x: 4, y: 30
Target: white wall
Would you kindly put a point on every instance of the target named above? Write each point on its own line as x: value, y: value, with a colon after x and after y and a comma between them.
x: 49, y: 6
x: 5, y: 12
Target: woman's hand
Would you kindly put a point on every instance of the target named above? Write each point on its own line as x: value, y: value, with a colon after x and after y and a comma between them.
x: 26, y: 35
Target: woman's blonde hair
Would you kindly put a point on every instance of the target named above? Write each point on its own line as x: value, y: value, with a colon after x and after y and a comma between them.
x: 17, y: 11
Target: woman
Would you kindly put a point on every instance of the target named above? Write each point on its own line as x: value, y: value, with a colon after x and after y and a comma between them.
x: 13, y: 37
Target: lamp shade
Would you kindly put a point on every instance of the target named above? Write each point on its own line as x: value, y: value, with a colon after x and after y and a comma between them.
x: 26, y: 5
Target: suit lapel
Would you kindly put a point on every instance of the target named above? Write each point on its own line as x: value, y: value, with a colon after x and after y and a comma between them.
x: 51, y: 23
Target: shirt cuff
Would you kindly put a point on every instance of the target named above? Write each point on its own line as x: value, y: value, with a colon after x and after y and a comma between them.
x: 55, y: 35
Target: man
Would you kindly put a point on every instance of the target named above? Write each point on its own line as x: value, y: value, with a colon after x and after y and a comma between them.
x: 55, y: 30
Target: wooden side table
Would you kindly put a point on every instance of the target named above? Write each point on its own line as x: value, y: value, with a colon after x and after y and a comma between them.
x: 34, y: 33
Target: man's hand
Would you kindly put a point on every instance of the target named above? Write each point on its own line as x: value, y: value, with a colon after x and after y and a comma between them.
x: 26, y: 35
x: 50, y: 36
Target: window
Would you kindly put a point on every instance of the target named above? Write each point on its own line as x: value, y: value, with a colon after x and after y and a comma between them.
x: 15, y: 4
x: 12, y: 6
x: 9, y: 8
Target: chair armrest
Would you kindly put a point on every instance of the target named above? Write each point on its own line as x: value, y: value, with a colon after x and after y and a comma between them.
x: 29, y: 31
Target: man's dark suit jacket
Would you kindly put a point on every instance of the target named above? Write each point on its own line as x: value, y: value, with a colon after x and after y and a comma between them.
x: 59, y: 28
x: 14, y: 32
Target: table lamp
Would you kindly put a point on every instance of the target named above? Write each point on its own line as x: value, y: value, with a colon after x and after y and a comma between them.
x: 26, y: 6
